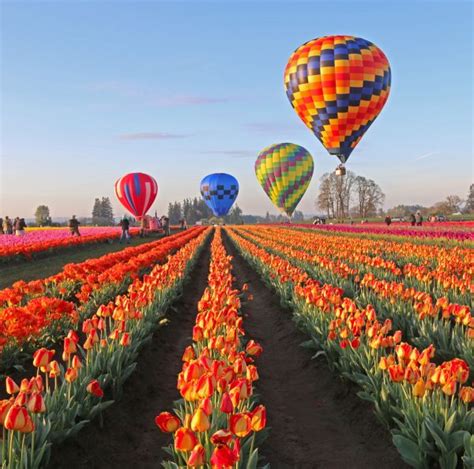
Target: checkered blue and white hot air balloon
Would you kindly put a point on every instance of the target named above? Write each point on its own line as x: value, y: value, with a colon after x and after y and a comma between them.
x: 136, y: 192
x: 219, y: 191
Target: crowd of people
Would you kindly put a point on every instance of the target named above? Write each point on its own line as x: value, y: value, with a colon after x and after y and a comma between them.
x: 12, y: 227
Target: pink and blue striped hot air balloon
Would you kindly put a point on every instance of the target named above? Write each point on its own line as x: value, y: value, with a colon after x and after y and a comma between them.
x: 136, y: 192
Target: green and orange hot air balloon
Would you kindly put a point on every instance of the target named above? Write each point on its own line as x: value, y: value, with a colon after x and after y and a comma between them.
x: 284, y: 171
x: 338, y: 85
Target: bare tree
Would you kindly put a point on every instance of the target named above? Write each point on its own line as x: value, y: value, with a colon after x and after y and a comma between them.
x: 369, y: 196
x: 469, y: 207
x: 335, y: 194
x: 453, y: 203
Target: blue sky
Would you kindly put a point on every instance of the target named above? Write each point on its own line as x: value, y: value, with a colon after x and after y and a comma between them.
x: 93, y: 90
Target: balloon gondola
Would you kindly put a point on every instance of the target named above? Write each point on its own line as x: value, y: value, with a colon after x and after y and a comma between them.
x: 338, y: 85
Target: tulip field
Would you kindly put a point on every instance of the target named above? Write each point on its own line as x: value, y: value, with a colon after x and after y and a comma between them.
x: 244, y: 346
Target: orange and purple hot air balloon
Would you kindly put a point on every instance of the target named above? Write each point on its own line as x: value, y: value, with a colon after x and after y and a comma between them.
x: 136, y: 192
x: 338, y: 85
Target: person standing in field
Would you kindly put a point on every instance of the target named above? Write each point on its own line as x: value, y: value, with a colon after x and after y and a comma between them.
x: 19, y: 226
x: 7, y: 226
x: 388, y: 220
x: 74, y: 226
x: 166, y: 225
x: 143, y: 227
x: 412, y: 219
x: 1, y: 226
x: 125, y: 224
x: 418, y: 218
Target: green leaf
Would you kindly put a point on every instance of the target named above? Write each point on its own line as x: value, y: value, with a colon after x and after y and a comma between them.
x: 408, y: 450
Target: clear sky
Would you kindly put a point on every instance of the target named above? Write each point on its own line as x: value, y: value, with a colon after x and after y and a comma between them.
x: 93, y: 90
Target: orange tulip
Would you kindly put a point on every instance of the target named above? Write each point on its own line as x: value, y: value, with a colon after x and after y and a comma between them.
x: 258, y: 418
x: 200, y: 422
x: 54, y: 369
x: 197, y: 457
x: 253, y: 348
x: 76, y: 362
x: 185, y: 439
x: 206, y: 406
x: 94, y: 388
x: 70, y: 375
x: 16, y: 418
x: 12, y: 387
x: 419, y: 388
x: 5, y: 405
x: 125, y: 341
x: 21, y: 398
x: 188, y: 354
x: 240, y: 424
x: 69, y: 346
x: 36, y: 404
x: 42, y: 357
x: 167, y: 422
x: 466, y: 394
x: 450, y: 387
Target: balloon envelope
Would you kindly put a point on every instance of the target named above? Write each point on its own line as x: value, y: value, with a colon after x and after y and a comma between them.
x: 338, y: 85
x: 284, y: 171
x: 136, y: 192
x: 219, y: 191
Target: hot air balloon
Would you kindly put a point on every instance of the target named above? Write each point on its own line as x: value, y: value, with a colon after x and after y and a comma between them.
x: 284, y: 171
x: 338, y: 85
x: 219, y: 191
x: 136, y: 192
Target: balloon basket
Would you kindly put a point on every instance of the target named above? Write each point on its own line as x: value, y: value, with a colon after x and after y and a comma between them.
x: 340, y: 170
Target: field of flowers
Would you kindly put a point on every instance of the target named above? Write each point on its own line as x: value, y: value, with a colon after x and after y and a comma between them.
x: 47, y: 239
x: 390, y: 316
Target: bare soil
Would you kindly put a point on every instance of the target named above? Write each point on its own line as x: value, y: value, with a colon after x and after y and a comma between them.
x: 316, y: 420
x: 129, y: 437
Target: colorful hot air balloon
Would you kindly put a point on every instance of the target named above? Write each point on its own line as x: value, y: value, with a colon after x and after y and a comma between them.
x: 338, y: 85
x: 219, y: 191
x: 136, y: 192
x: 284, y: 170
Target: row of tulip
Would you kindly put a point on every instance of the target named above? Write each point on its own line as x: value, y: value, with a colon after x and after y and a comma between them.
x: 39, y: 241
x: 427, y: 407
x: 449, y: 326
x: 38, y: 312
x: 217, y: 424
x: 431, y: 231
x: 436, y: 270
x: 65, y: 394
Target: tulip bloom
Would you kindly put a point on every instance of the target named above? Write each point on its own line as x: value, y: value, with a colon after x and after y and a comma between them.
x: 253, y: 348
x: 42, y: 357
x: 167, y: 422
x: 188, y: 354
x: 197, y: 456
x: 76, y: 362
x: 240, y: 424
x: 226, y: 404
x: 94, y: 388
x: 125, y: 341
x: 54, y: 369
x: 16, y: 418
x: 5, y: 405
x: 185, y: 439
x: 70, y: 375
x: 36, y: 404
x: 466, y: 394
x: 223, y: 457
x: 12, y: 387
x: 258, y: 418
x: 200, y: 422
x: 419, y: 388
x: 206, y: 406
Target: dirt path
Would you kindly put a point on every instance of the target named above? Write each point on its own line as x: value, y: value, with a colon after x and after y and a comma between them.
x: 315, y: 421
x: 129, y: 437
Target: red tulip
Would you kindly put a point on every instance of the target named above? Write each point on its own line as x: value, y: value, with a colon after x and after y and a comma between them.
x: 94, y: 388
x: 5, y: 405
x: 253, y: 348
x: 197, y: 457
x: 42, y: 357
x: 167, y: 422
x: 226, y: 404
x: 223, y: 457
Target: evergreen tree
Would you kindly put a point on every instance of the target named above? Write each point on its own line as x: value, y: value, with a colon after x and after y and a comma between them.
x: 97, y: 212
x: 175, y: 213
x: 469, y: 207
x: 107, y: 213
